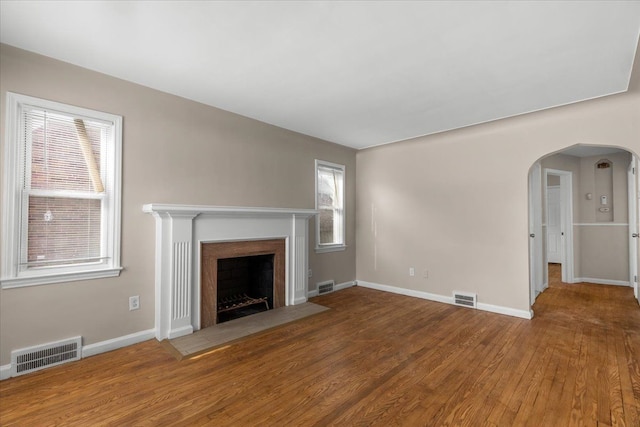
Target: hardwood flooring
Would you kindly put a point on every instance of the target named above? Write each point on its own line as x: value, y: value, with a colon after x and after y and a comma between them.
x: 374, y: 359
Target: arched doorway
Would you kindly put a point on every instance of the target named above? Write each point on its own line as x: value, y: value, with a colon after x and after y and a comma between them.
x: 589, y: 228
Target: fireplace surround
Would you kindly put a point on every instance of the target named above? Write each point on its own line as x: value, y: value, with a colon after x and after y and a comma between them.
x: 182, y: 230
x: 242, y: 273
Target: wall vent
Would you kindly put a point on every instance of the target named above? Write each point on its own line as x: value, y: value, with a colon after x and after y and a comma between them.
x: 465, y: 299
x: 42, y: 356
x: 325, y: 287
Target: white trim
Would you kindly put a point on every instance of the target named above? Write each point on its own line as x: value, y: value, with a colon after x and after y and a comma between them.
x: 20, y: 282
x: 234, y: 211
x: 99, y: 347
x: 601, y: 224
x: 340, y: 286
x: 498, y: 309
x: 566, y: 203
x: 330, y: 248
x: 632, y: 195
x: 5, y: 372
x: 536, y: 268
x: 524, y: 314
x: 116, y: 343
x: 600, y: 281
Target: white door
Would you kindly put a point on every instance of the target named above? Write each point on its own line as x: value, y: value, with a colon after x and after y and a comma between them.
x: 554, y: 225
x: 536, y: 271
x: 633, y: 228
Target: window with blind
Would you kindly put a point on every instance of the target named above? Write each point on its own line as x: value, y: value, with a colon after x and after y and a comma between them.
x: 62, y: 185
x: 330, y: 229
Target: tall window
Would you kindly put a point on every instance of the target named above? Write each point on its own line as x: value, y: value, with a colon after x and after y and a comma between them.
x: 330, y: 230
x: 61, y: 193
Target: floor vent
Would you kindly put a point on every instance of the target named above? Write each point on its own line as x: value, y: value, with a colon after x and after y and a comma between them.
x: 43, y: 356
x: 325, y: 287
x: 465, y: 299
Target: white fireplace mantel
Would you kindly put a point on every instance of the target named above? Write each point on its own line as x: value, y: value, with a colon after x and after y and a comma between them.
x: 180, y: 230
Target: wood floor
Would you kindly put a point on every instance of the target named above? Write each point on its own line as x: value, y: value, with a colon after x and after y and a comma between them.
x: 374, y: 359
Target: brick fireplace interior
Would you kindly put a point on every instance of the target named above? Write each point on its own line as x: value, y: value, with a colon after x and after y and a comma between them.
x: 240, y: 279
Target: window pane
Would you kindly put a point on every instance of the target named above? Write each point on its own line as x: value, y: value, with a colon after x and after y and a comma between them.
x: 64, y: 152
x: 329, y: 203
x: 326, y: 226
x: 62, y: 229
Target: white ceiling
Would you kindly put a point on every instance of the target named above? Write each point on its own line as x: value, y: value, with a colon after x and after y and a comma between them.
x: 356, y: 73
x: 590, y: 150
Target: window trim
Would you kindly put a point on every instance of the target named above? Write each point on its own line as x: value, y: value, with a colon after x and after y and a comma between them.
x: 331, y: 247
x: 10, y: 274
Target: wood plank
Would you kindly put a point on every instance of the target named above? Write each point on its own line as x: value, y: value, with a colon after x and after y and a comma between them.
x: 374, y: 358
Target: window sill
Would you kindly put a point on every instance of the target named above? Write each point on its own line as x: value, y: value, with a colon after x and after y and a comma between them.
x: 36, y: 280
x: 332, y: 248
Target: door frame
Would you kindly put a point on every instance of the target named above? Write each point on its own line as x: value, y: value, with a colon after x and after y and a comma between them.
x: 536, y: 270
x: 566, y: 222
x: 546, y: 223
x: 633, y: 225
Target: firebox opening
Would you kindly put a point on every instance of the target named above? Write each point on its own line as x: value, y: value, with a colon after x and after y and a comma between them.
x: 244, y: 286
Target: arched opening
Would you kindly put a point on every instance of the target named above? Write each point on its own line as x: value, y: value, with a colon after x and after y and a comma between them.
x: 583, y: 218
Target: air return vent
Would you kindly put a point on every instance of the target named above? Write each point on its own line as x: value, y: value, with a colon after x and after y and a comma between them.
x: 43, y: 356
x: 325, y: 287
x: 464, y: 299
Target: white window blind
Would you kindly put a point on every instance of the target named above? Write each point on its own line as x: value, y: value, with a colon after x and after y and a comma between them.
x: 63, y: 188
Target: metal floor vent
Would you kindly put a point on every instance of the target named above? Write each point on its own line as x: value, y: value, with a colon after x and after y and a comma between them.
x: 465, y: 299
x: 325, y: 287
x: 43, y: 356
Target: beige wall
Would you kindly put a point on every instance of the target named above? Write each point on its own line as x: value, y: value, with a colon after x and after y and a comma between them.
x: 174, y: 151
x: 601, y: 251
x: 456, y: 203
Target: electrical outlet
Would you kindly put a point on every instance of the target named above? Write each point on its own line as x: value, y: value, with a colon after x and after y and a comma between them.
x: 425, y: 274
x: 134, y: 302
x: 310, y: 273
x: 412, y: 271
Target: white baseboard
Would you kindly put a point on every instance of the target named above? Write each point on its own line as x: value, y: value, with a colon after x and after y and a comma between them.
x: 99, y: 347
x: 115, y: 343
x: 524, y: 314
x: 600, y: 281
x: 337, y: 287
x: 5, y: 372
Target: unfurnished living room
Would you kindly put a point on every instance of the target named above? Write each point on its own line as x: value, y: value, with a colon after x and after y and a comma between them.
x: 314, y: 213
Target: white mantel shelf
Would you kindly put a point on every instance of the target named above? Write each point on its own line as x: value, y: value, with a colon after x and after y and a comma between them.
x: 180, y: 231
x: 225, y: 210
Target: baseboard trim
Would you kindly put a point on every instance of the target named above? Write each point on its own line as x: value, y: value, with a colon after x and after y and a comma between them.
x: 523, y: 314
x: 600, y: 281
x: 498, y: 309
x: 99, y: 347
x: 116, y: 343
x: 5, y: 372
x: 337, y: 287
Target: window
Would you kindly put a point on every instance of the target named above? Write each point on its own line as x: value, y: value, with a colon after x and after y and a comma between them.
x: 330, y: 204
x: 61, y: 193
